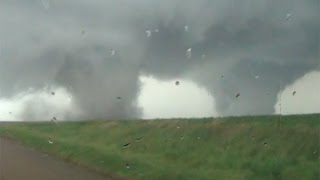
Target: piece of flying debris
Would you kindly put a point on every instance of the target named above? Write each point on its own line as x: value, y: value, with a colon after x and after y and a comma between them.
x: 54, y: 119
x: 288, y: 17
x: 189, y: 53
x: 238, y: 95
x: 112, y: 52
x: 186, y: 28
x: 148, y: 33
x: 119, y: 98
x: 126, y: 145
x: 177, y: 83
x: 50, y: 141
x: 53, y: 93
x: 294, y: 93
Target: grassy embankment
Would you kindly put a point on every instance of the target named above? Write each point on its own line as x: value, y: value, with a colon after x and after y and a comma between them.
x: 254, y: 147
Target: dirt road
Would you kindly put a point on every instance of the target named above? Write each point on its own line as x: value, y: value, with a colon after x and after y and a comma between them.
x: 18, y: 162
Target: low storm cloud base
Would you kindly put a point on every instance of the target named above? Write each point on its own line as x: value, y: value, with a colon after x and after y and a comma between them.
x: 242, y: 52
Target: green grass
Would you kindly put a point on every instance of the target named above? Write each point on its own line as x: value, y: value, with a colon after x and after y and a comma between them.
x: 220, y: 148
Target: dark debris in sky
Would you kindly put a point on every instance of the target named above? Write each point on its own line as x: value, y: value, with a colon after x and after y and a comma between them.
x: 126, y: 145
x: 294, y: 93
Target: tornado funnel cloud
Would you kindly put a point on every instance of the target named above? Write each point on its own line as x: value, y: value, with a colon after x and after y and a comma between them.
x: 97, y: 50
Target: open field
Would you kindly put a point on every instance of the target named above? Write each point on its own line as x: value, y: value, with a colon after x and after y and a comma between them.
x: 257, y: 147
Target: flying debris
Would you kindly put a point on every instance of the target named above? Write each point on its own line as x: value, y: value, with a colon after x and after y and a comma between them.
x: 139, y: 139
x: 119, y: 98
x: 189, y: 53
x: 53, y: 93
x: 127, y: 166
x: 288, y: 17
x: 177, y: 83
x: 257, y: 77
x: 186, y: 28
x: 54, y: 119
x: 126, y: 145
x: 222, y: 77
x: 253, y: 137
x: 238, y: 95
x: 294, y: 93
x: 148, y: 33
x: 265, y: 143
x: 198, y: 137
x: 178, y: 127
x: 181, y: 137
x: 50, y: 141
x: 112, y: 52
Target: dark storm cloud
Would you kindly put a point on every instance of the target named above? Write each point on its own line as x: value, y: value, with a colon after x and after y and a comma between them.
x: 69, y: 43
x: 253, y: 45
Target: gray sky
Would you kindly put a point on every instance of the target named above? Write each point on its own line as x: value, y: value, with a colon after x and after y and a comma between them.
x: 306, y: 99
x: 96, y: 51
